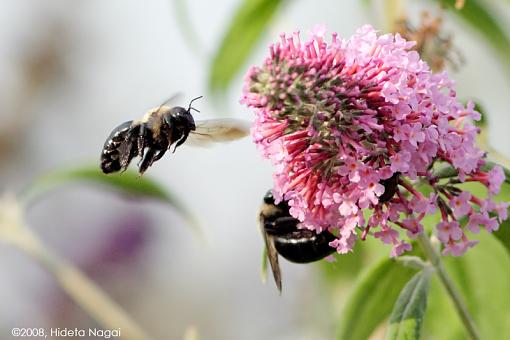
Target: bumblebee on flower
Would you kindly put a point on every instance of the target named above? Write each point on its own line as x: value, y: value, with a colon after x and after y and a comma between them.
x: 353, y: 124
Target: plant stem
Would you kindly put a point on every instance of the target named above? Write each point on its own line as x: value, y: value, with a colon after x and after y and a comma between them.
x: 82, y: 290
x: 393, y: 11
x: 435, y: 259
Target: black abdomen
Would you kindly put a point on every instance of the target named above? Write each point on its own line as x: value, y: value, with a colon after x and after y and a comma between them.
x: 303, y: 245
x: 110, y: 156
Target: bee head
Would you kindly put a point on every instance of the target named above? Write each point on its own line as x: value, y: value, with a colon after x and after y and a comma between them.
x: 179, y: 116
x: 269, y: 198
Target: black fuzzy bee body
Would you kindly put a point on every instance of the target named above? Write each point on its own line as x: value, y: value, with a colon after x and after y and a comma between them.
x: 148, y: 138
x: 283, y: 236
x: 152, y: 136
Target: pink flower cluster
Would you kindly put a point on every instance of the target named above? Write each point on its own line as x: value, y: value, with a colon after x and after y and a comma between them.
x: 352, y: 125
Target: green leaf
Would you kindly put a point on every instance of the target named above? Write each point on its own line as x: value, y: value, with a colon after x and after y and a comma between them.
x: 128, y: 182
x: 480, y: 18
x: 246, y: 28
x: 446, y: 171
x: 407, y: 316
x: 412, y: 261
x: 372, y: 300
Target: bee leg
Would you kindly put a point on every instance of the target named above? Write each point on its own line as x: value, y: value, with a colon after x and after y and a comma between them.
x: 144, y: 134
x: 158, y: 156
x: 153, y: 154
x: 281, y: 225
x: 147, y: 160
x: 129, y: 150
x: 127, y: 156
x: 180, y: 141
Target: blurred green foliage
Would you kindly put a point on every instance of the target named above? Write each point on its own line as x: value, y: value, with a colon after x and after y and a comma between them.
x: 129, y: 183
x: 245, y: 29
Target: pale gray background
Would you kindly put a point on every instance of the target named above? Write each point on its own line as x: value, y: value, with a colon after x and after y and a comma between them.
x: 118, y: 59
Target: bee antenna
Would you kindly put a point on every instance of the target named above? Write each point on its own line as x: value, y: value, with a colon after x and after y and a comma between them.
x: 191, y: 102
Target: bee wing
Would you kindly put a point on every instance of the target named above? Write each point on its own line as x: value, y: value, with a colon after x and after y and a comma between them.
x: 272, y: 255
x: 217, y: 131
x: 170, y: 101
x: 167, y: 104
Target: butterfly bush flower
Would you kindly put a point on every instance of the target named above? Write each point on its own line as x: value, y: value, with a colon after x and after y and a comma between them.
x: 351, y: 125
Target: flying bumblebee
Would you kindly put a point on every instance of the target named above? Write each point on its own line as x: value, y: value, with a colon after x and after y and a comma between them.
x: 152, y: 136
x: 282, y: 236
